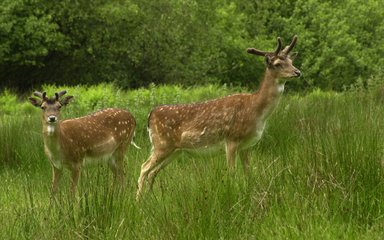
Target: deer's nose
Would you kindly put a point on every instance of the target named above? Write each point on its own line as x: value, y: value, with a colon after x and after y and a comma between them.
x: 298, y: 73
x: 52, y: 119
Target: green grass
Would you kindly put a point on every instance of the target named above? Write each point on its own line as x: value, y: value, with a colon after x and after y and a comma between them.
x: 317, y: 173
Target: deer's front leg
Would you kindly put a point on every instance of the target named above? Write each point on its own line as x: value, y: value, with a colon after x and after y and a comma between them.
x: 56, y: 175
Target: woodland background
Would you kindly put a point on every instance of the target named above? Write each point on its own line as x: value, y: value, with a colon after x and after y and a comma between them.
x: 133, y: 43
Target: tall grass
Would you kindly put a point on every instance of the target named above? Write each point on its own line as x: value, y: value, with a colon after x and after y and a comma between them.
x: 317, y: 173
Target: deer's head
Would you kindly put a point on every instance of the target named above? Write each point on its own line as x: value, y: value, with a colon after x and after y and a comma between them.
x: 280, y: 61
x: 50, y: 106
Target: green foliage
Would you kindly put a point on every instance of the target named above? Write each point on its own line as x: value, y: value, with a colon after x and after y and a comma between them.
x: 27, y: 33
x: 10, y: 104
x: 134, y: 43
x: 341, y: 40
x: 317, y: 173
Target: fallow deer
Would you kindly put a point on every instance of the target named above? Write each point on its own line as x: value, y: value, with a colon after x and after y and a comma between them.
x: 105, y: 134
x: 237, y: 121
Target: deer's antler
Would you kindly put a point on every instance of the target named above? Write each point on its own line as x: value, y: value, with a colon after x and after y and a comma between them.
x: 59, y: 94
x: 278, y: 48
x: 41, y: 95
x: 256, y: 52
x: 264, y: 53
x: 38, y: 94
x: 288, y: 48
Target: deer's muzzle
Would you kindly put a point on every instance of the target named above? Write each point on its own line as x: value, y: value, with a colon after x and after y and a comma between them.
x: 52, y: 119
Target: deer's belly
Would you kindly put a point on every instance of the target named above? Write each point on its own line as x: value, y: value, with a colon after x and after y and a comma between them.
x: 100, y: 152
x: 205, y: 149
x: 200, y: 139
x: 102, y: 148
x: 96, y: 160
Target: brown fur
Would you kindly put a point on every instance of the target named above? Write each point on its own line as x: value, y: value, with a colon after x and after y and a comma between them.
x: 237, y: 121
x: 69, y: 142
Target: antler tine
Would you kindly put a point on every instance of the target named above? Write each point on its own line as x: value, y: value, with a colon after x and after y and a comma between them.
x: 44, y: 96
x: 59, y: 94
x: 288, y: 48
x: 62, y: 93
x: 41, y: 95
x: 256, y: 52
x: 38, y: 94
x: 278, y: 48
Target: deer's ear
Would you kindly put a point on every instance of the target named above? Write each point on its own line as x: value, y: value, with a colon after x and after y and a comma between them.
x: 35, y: 102
x: 65, y: 100
x: 293, y: 55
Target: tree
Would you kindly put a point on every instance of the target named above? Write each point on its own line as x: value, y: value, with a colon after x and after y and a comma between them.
x: 27, y: 36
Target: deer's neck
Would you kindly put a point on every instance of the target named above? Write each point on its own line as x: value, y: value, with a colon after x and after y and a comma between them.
x: 52, y: 146
x: 268, y: 96
x: 51, y: 132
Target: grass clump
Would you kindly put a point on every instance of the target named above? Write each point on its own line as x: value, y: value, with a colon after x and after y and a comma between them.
x: 317, y: 173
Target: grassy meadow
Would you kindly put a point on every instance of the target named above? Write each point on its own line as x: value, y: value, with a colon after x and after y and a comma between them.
x: 317, y: 173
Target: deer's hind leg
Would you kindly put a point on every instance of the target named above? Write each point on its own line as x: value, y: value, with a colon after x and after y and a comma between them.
x: 116, y: 163
x: 245, y: 156
x: 231, y: 148
x: 153, y: 173
x: 154, y: 163
x: 75, y: 169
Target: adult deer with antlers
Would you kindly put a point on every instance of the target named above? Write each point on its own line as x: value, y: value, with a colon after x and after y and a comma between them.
x: 237, y: 121
x: 73, y: 142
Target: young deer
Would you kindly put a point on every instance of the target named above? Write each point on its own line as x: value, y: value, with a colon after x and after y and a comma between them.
x: 73, y: 142
x: 237, y: 120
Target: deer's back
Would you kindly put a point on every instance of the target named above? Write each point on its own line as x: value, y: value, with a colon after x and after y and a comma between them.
x: 202, y: 124
x: 99, y: 132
